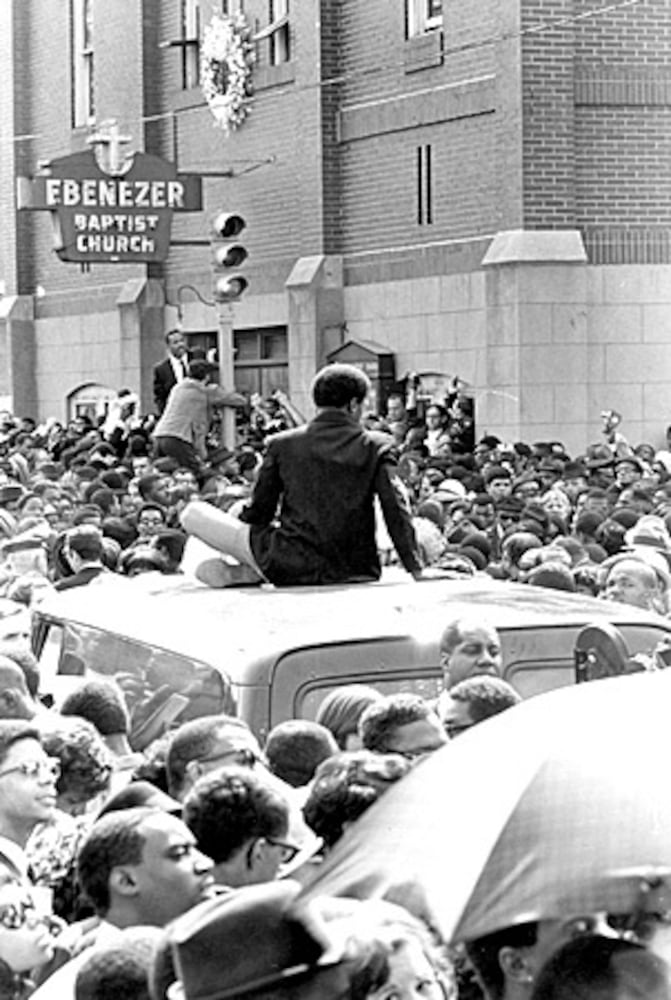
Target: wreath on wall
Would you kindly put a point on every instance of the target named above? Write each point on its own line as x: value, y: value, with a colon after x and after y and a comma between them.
x: 226, y: 63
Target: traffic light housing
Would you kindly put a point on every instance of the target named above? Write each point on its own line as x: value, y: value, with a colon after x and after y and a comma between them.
x: 228, y: 255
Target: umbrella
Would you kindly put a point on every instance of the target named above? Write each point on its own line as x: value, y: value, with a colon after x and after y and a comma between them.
x: 560, y: 806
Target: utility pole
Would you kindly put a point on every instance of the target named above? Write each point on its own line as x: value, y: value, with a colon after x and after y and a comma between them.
x: 225, y: 354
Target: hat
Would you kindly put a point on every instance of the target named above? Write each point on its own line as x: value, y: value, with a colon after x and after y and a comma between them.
x: 626, y: 516
x: 490, y: 441
x: 496, y: 472
x: 551, y: 465
x: 7, y: 523
x: 10, y: 493
x: 165, y: 465
x: 512, y: 506
x: 599, y: 456
x: 143, y: 556
x: 649, y: 530
x: 477, y: 540
x: 244, y: 942
x: 478, y: 558
x: 141, y: 793
x: 572, y: 470
x: 629, y: 460
x: 449, y: 489
x: 51, y: 470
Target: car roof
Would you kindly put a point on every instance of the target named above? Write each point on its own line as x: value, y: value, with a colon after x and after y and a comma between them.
x: 232, y: 628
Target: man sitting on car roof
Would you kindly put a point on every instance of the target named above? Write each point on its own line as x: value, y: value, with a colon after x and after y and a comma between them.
x: 323, y: 478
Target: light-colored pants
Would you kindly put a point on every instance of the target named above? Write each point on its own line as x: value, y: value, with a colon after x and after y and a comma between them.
x: 219, y: 530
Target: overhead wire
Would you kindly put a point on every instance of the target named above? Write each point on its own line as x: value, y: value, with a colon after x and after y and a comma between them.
x: 338, y: 80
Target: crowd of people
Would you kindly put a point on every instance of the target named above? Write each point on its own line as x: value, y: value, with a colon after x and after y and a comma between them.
x: 178, y: 870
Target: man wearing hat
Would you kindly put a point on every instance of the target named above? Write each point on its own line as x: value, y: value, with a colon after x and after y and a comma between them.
x: 182, y: 429
x: 260, y: 943
x: 628, y: 470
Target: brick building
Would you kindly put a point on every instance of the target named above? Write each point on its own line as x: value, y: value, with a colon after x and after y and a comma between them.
x: 478, y: 188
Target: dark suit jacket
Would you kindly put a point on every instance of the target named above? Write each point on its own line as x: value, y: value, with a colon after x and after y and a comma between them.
x: 164, y: 379
x: 325, y: 476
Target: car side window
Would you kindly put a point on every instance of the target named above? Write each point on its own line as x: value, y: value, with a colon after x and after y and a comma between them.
x: 161, y: 688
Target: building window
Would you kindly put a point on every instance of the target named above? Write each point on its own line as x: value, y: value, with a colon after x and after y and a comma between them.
x: 277, y: 33
x: 424, y: 185
x: 190, y: 43
x: 423, y: 16
x: 261, y: 360
x: 83, y: 105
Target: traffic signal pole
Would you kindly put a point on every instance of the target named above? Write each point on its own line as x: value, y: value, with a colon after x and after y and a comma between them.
x: 225, y: 353
x: 229, y: 285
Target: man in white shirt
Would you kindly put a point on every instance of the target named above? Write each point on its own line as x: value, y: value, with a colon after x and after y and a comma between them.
x: 139, y: 867
x: 171, y: 371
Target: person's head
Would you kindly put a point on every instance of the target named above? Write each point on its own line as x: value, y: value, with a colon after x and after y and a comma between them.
x: 150, y: 520
x: 107, y: 500
x: 474, y: 700
x: 119, y: 969
x: 513, y: 548
x: 176, y: 343
x: 395, y: 409
x: 205, y: 744
x: 483, y: 509
x: 435, y: 417
x: 27, y: 781
x: 629, y: 580
x: 395, y: 958
x: 85, y: 762
x: 341, y: 387
x: 101, y: 702
x: 27, y: 934
x: 628, y: 470
x: 595, y: 967
x: 555, y: 501
x: 345, y: 786
x: 141, y: 866
x: 152, y: 487
x: 242, y: 823
x: 201, y: 370
x: 469, y: 647
x: 334, y: 949
x: 15, y: 699
x: 508, y: 961
x: 170, y: 544
x: 295, y: 748
x: 17, y: 649
x: 403, y: 724
x: 83, y: 544
x: 499, y: 482
x: 553, y: 575
x: 341, y: 710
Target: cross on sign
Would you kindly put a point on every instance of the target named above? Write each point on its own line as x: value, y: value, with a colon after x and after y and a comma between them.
x: 108, y: 143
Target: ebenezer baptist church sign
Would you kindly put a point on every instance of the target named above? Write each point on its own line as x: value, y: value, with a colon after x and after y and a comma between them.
x: 111, y: 208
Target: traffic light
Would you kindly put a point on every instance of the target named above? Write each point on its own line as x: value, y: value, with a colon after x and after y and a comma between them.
x: 229, y: 284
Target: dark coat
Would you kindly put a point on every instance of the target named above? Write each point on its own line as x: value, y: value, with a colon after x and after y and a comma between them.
x: 164, y: 379
x: 325, y: 476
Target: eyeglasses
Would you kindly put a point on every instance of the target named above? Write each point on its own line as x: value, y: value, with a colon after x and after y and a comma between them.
x: 14, y: 916
x: 289, y: 851
x: 50, y: 768
x: 244, y: 757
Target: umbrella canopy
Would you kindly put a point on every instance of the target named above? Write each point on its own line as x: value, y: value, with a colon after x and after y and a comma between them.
x: 560, y: 806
